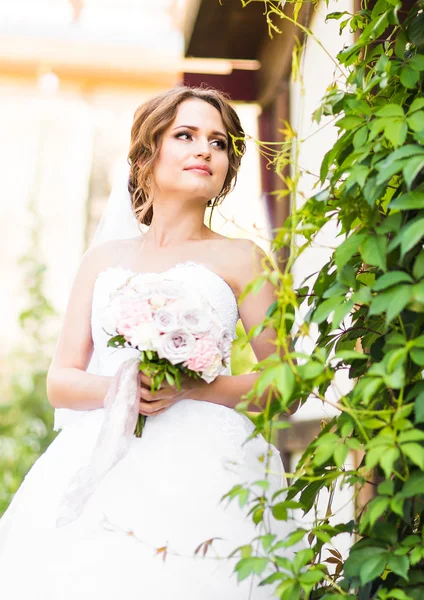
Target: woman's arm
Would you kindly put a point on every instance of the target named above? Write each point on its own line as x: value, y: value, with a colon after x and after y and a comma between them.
x: 228, y: 390
x: 68, y: 383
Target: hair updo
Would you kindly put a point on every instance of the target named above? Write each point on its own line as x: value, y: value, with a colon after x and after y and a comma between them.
x: 151, y: 119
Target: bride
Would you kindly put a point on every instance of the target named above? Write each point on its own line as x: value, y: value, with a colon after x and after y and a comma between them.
x: 132, y: 532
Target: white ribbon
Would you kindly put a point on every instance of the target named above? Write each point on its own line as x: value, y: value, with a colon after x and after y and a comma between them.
x: 120, y: 417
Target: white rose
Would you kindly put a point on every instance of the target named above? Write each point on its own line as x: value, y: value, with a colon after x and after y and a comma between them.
x: 157, y: 301
x: 176, y: 346
x: 109, y: 320
x: 144, y: 285
x: 195, y: 320
x: 224, y: 344
x: 171, y: 290
x: 143, y: 290
x: 211, y: 372
x: 124, y: 292
x: 145, y: 337
x: 166, y: 320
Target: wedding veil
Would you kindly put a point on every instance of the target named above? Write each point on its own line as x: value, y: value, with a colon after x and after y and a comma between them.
x: 117, y: 222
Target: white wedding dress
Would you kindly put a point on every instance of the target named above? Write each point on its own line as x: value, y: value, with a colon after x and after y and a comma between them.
x: 165, y: 492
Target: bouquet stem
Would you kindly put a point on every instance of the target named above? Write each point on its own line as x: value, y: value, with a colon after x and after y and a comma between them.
x: 139, y: 426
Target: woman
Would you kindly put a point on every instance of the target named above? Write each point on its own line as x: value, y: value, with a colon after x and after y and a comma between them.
x: 137, y: 533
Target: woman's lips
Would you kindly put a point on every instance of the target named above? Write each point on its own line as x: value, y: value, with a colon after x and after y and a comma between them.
x: 200, y: 169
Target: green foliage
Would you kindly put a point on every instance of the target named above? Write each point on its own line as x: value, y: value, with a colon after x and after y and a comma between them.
x: 26, y: 416
x: 367, y: 305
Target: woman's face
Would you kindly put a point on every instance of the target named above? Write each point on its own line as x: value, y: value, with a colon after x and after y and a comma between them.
x: 193, y: 157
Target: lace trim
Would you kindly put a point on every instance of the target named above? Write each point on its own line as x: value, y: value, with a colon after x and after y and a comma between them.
x: 179, y: 265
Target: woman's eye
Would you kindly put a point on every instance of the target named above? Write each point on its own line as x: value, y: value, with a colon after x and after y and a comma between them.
x: 188, y: 135
x: 220, y: 144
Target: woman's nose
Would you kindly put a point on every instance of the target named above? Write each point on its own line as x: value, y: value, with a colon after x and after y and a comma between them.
x: 203, y: 149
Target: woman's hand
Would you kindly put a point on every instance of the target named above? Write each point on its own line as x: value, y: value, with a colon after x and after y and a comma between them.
x: 152, y: 404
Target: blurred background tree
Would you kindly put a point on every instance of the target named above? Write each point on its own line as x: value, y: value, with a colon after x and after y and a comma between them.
x: 26, y: 416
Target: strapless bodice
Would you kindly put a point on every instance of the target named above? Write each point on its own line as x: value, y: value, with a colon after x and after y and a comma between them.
x: 198, y: 278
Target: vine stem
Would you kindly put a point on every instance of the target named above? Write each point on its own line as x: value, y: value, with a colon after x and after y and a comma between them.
x: 276, y: 10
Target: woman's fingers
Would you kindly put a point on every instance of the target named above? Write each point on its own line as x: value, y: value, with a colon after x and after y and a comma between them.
x: 146, y: 394
x: 144, y: 379
x: 150, y: 409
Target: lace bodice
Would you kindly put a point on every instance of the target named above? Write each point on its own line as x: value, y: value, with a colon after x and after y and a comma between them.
x: 198, y: 277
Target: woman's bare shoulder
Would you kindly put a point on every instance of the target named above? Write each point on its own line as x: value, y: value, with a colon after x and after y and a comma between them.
x: 240, y: 258
x: 244, y: 251
x: 109, y: 254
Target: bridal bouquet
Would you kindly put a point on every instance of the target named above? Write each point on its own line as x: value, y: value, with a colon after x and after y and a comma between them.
x: 174, y: 330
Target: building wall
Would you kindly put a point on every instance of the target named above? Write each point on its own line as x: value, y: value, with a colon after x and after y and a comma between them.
x: 318, y: 73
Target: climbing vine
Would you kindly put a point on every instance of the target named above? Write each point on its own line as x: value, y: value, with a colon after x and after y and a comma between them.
x: 364, y: 312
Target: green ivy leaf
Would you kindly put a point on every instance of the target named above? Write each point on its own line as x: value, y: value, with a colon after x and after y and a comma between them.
x: 312, y: 576
x: 417, y: 62
x: 418, y: 268
x: 413, y: 486
x: 322, y: 454
x: 347, y: 355
x: 248, y: 566
x: 385, y: 174
x: 390, y: 110
x: 280, y: 511
x: 386, y: 487
x: 396, y: 504
x: 372, y: 567
x: 340, y: 454
x: 405, y: 152
x: 373, y: 251
x: 412, y: 234
x: 325, y: 308
x: 289, y: 590
x: 412, y: 169
x: 376, y: 508
x: 409, y: 77
x: 409, y: 200
x: 396, y: 132
x: 399, y: 565
x: 349, y: 122
x: 416, y: 121
x: 285, y: 381
x: 417, y: 356
x: 360, y: 137
x: 388, y: 460
x: 415, y: 453
x: 389, y: 279
x: 335, y: 15
x: 417, y: 104
x: 347, y: 249
x: 419, y: 408
x: 292, y: 539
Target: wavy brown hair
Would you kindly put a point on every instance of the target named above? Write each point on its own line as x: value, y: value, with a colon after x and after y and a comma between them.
x: 151, y: 119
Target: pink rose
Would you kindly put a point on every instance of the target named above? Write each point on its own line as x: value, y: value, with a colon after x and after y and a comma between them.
x: 203, y: 355
x: 131, y: 314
